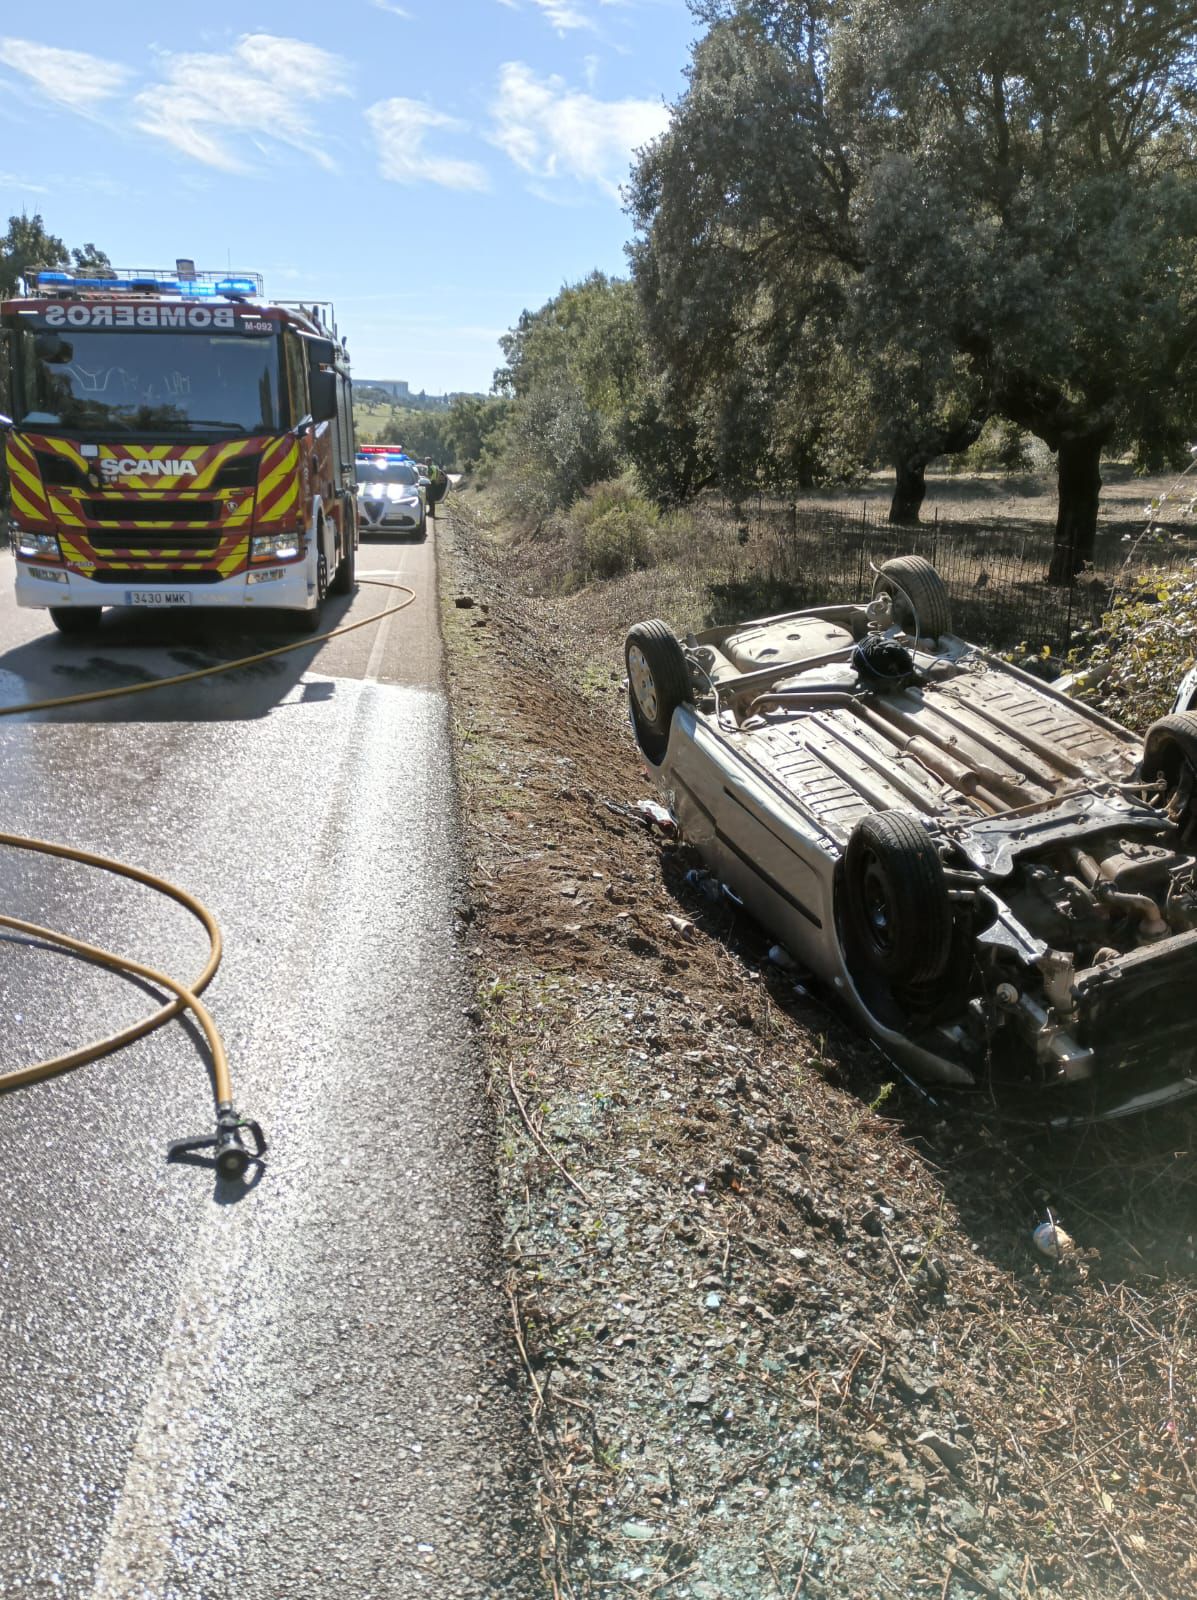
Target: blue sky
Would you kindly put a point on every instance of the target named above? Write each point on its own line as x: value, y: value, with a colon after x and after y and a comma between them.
x: 433, y: 169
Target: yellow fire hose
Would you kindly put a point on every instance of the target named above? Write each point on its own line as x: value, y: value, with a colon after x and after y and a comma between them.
x: 231, y: 1156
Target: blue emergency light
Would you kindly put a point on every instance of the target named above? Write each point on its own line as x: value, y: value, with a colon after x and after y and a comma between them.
x: 210, y: 288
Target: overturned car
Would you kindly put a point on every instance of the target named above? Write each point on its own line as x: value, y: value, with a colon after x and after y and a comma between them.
x: 999, y: 882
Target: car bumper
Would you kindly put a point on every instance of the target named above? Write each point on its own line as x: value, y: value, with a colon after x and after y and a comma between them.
x: 389, y: 519
x: 291, y: 590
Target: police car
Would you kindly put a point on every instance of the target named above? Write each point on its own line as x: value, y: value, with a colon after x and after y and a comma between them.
x: 391, y: 493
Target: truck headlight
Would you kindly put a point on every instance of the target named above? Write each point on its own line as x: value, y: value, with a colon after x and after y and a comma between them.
x: 274, y: 546
x: 38, y: 546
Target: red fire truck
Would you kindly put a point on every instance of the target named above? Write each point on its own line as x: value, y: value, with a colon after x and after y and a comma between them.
x: 175, y: 440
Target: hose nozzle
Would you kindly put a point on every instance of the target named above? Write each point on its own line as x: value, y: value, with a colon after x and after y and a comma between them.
x: 230, y: 1156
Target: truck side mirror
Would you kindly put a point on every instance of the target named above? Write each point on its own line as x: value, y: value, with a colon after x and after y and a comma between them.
x: 323, y: 387
x: 322, y: 378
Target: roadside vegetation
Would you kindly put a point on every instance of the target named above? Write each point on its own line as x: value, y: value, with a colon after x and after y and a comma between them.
x: 455, y: 437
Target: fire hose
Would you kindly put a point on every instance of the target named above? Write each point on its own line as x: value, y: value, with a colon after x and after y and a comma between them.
x: 231, y: 1156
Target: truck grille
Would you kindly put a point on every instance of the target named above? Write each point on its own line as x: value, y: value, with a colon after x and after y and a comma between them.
x: 171, y: 576
x: 112, y: 511
x: 154, y: 544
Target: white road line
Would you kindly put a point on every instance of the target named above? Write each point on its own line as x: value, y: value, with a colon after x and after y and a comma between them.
x: 137, y: 1548
x: 383, y: 632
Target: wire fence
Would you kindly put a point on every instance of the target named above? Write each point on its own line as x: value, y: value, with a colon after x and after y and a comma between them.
x: 777, y: 556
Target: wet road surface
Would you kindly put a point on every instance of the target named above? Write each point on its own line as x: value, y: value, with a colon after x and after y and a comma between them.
x: 299, y: 1390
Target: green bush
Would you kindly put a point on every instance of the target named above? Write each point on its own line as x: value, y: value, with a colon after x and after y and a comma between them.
x: 1002, y: 447
x: 1144, y: 647
x: 610, y: 531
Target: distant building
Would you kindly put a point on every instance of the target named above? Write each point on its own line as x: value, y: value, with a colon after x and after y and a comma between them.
x: 397, y: 388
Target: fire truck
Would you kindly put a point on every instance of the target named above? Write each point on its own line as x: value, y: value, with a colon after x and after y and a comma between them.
x: 175, y: 440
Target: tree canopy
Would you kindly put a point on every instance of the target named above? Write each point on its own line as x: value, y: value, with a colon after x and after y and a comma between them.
x: 27, y: 245
x: 930, y: 211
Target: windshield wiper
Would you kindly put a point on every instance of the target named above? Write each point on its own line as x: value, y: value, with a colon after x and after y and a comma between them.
x: 210, y: 422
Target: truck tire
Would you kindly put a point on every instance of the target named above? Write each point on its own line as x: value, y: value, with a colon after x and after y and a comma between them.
x: 345, y: 577
x: 76, y: 619
x: 309, y: 621
x: 658, y: 682
x: 897, y: 914
x: 920, y: 595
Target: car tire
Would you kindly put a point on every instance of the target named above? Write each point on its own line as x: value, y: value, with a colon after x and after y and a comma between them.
x: 1170, y: 752
x: 920, y: 595
x: 345, y: 577
x: 309, y: 621
x: 897, y: 913
x: 658, y: 682
x: 422, y: 530
x: 76, y: 619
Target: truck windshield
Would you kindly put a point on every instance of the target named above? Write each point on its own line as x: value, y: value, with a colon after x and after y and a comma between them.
x: 158, y: 381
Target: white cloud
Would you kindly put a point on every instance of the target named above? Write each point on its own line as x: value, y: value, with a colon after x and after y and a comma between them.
x: 209, y: 106
x: 10, y: 180
x: 399, y: 127
x: 564, y: 18
x: 395, y: 11
x: 553, y: 131
x: 68, y: 77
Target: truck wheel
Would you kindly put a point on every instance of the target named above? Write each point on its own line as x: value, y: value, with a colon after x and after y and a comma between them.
x: 309, y: 621
x: 920, y: 595
x: 658, y: 682
x: 897, y: 915
x: 1170, y: 753
x: 345, y: 577
x: 76, y: 619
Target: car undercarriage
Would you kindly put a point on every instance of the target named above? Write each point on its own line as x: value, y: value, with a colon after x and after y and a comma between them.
x: 998, y: 881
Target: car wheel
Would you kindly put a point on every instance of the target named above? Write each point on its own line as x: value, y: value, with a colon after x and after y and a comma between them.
x: 76, y: 619
x: 1170, y: 753
x: 422, y: 530
x: 658, y: 682
x: 346, y: 574
x: 921, y: 600
x: 897, y: 914
x: 309, y: 621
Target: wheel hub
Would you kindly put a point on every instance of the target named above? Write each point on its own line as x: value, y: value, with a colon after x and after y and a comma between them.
x: 643, y: 684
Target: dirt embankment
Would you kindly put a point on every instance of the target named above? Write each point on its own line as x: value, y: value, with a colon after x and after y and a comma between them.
x: 783, y: 1327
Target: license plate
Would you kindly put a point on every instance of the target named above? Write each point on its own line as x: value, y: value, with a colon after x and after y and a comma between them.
x: 157, y: 597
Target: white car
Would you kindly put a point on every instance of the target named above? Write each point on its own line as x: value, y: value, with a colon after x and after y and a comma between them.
x: 390, y: 495
x: 999, y: 882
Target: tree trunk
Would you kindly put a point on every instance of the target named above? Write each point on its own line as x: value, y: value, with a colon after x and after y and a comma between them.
x: 910, y: 490
x: 1078, y: 467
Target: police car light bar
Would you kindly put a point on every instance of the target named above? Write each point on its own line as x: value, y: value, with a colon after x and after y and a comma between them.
x: 204, y: 286
x: 380, y: 450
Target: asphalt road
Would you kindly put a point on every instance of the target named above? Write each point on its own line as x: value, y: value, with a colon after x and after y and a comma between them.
x: 300, y: 1389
